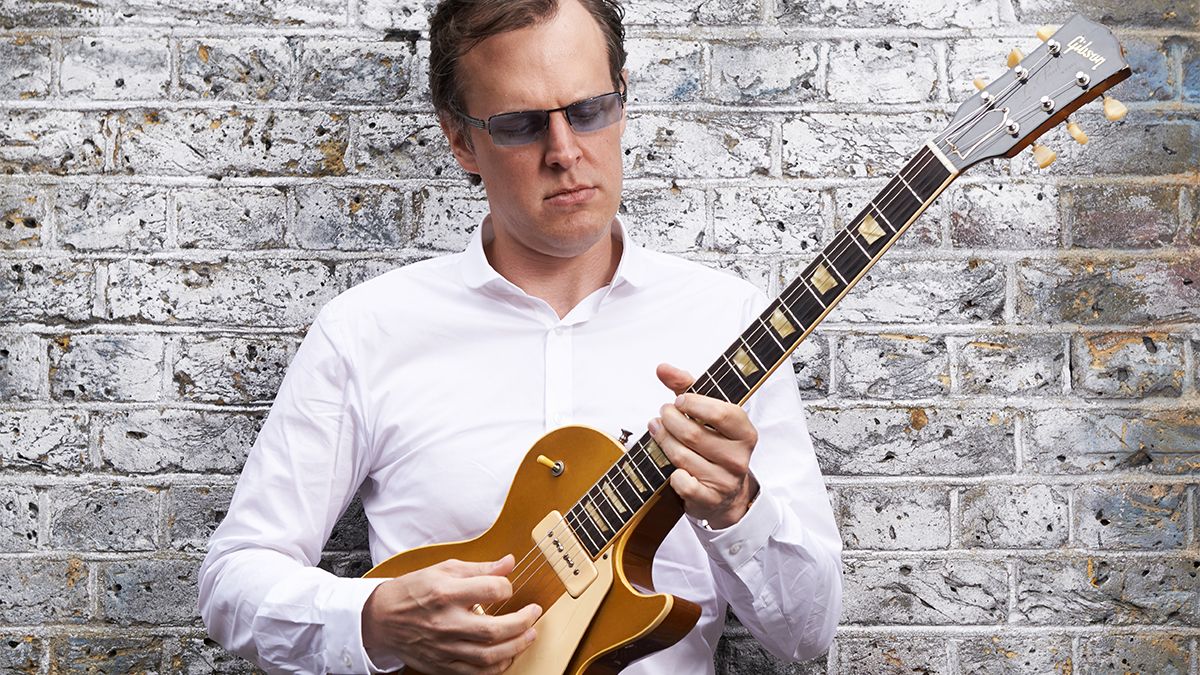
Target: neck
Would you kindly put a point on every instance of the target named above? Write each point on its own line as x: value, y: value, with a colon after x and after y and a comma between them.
x: 562, y: 282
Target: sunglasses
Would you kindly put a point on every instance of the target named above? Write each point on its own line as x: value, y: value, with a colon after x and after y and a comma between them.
x: 519, y: 128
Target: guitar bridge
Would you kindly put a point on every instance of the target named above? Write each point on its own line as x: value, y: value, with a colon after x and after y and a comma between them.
x: 565, y: 553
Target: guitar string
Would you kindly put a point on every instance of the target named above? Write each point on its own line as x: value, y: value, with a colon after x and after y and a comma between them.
x: 755, y: 338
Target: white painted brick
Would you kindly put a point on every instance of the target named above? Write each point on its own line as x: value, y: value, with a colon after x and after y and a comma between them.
x: 882, y: 71
x: 696, y: 145
x: 53, y: 141
x: 446, y: 217
x: 256, y: 69
x: 108, y: 367
x: 777, y: 220
x: 46, y: 441
x: 353, y: 218
x: 887, y: 13
x: 665, y: 219
x: 113, y: 68
x: 99, y: 217
x: 755, y: 74
x: 356, y: 72
x: 822, y: 145
x: 664, y: 70
x: 24, y: 68
x: 894, y: 518
x: 403, y: 145
x: 230, y: 218
x: 1004, y: 215
x: 24, y: 216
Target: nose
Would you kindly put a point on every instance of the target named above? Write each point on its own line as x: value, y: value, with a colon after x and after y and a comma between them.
x: 562, y: 146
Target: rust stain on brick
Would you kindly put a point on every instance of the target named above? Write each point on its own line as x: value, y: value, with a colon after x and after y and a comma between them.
x: 22, y: 40
x: 986, y: 345
x: 63, y: 342
x: 917, y: 419
x: 75, y: 571
x: 904, y: 338
x: 1091, y: 573
x: 1104, y: 347
x: 202, y: 51
x: 334, y: 152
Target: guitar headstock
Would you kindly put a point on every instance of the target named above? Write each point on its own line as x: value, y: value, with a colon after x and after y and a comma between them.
x: 1073, y: 66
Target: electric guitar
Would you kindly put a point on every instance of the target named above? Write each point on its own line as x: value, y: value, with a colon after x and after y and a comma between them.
x: 584, y: 546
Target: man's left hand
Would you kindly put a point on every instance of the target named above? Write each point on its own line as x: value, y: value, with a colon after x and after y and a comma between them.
x: 709, y: 442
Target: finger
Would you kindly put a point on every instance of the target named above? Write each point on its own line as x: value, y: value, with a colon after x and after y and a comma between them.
x: 483, y: 590
x: 675, y: 379
x: 463, y: 568
x: 483, y: 655
x: 679, y: 452
x: 494, y: 629
x: 730, y: 420
x: 693, y: 492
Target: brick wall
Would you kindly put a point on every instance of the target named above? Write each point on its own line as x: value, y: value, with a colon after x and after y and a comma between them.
x: 1006, y: 410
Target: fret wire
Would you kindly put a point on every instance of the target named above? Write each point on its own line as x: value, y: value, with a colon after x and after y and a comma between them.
x: 812, y: 290
x: 616, y: 488
x: 787, y: 308
x: 882, y: 217
x: 910, y: 189
x: 718, y: 386
x: 835, y: 269
x: 736, y: 371
x: 582, y: 523
x: 645, y: 480
x: 750, y: 351
x: 596, y: 506
x: 653, y: 464
x: 771, y: 332
x: 854, y: 239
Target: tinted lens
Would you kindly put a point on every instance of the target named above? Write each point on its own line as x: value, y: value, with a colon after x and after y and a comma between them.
x: 595, y: 113
x: 517, y: 128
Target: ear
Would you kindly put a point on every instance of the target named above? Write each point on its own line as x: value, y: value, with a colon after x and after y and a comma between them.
x: 460, y: 145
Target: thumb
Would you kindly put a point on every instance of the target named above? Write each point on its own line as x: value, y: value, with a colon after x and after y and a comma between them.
x: 675, y: 379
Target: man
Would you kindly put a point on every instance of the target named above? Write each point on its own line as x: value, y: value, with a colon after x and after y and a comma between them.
x: 422, y: 389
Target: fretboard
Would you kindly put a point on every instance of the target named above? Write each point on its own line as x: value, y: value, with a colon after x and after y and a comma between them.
x: 765, y: 345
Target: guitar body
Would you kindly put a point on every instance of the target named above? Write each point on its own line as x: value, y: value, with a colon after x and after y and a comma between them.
x: 610, y: 623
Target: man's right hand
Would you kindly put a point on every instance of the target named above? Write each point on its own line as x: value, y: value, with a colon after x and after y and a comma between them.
x: 425, y: 618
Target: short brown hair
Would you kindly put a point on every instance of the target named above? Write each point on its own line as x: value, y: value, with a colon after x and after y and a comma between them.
x: 458, y: 25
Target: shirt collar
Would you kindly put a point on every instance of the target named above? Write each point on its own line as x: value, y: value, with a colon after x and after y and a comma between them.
x: 634, y: 267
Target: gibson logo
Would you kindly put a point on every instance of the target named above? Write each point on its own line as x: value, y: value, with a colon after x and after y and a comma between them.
x: 1082, y: 47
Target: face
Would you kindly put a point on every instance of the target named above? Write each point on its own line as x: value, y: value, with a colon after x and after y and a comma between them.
x: 555, y: 197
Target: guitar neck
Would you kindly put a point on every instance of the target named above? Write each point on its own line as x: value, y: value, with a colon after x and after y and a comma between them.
x: 766, y: 344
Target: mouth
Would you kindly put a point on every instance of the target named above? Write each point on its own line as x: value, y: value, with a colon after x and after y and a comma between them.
x: 573, y: 195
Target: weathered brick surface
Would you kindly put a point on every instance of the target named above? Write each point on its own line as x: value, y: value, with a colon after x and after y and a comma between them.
x: 908, y: 441
x: 48, y: 290
x: 892, y: 366
x: 193, y: 514
x: 154, y: 441
x: 21, y: 653
x: 1013, y: 654
x: 1010, y: 364
x: 923, y: 592
x: 155, y: 592
x: 106, y: 367
x: 1125, y: 216
x: 43, y: 591
x: 106, y: 655
x: 230, y: 218
x: 1151, y: 517
x: 24, y: 68
x: 885, y: 13
x: 892, y: 656
x: 1166, y: 654
x: 375, y: 72
x: 43, y: 441
x: 1114, y: 440
x: 1005, y: 215
x: 112, y: 68
x: 1014, y: 516
x: 56, y: 142
x: 22, y: 366
x: 183, y: 186
x: 233, y: 369
x: 233, y: 142
x: 1097, y: 590
x: 24, y: 209
x: 18, y: 519
x: 103, y: 518
x: 903, y: 517
x: 235, y: 70
x: 285, y: 292
x: 1127, y: 365
x: 1108, y: 290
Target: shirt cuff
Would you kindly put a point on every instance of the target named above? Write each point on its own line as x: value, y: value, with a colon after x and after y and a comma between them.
x: 341, y: 612
x: 733, y: 546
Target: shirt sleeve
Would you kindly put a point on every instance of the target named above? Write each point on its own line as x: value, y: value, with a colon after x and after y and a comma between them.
x: 261, y: 594
x: 779, y: 567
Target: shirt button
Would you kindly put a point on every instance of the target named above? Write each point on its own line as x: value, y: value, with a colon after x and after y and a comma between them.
x: 735, y: 549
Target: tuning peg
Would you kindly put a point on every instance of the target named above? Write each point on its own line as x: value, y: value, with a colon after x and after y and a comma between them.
x: 1045, y: 32
x: 1043, y: 156
x: 1076, y: 132
x: 979, y: 83
x: 1015, y: 57
x: 1114, y: 110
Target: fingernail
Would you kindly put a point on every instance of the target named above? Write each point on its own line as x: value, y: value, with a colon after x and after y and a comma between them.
x: 679, y: 401
x: 654, y: 426
x: 537, y: 611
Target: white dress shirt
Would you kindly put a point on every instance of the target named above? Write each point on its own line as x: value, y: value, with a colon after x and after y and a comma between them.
x: 422, y: 389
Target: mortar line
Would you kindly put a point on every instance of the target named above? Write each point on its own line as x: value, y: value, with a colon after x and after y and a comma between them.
x: 1195, y: 669
x: 1076, y: 650
x: 1071, y: 526
x: 955, y: 519
x: 952, y: 658
x: 1011, y: 568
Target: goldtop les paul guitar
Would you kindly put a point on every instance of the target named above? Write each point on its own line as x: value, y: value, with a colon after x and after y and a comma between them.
x: 585, y: 544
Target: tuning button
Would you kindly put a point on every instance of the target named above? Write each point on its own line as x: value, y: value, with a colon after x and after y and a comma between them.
x: 1114, y: 110
x: 1043, y: 156
x: 979, y: 83
x: 1077, y: 132
x: 1015, y: 57
x: 1045, y: 32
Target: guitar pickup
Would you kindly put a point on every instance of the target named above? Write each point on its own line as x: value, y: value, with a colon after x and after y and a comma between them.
x: 564, y: 553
